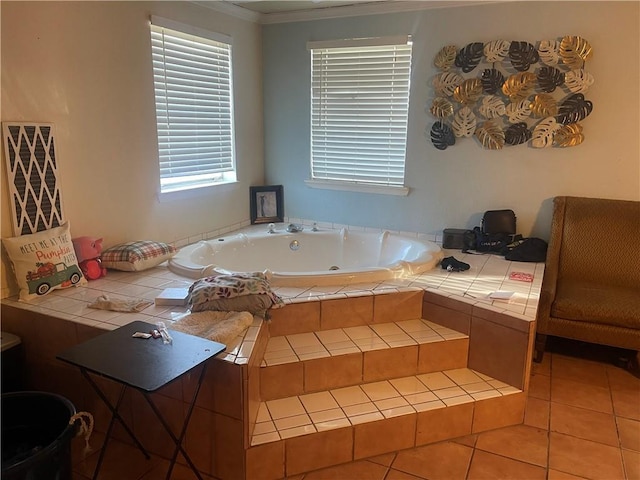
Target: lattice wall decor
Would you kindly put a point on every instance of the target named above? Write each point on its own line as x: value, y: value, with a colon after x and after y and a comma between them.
x: 520, y: 93
x: 33, y: 177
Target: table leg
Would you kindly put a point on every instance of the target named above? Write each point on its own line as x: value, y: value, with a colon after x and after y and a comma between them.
x: 114, y: 415
x: 178, y: 441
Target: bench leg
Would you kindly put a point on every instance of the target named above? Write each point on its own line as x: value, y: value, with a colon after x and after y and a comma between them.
x: 541, y: 343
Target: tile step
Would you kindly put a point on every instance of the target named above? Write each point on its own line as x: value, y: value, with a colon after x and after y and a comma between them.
x: 360, y: 339
x: 346, y: 407
x: 305, y: 363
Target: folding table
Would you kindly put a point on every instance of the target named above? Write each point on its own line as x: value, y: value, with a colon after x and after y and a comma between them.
x: 145, y: 365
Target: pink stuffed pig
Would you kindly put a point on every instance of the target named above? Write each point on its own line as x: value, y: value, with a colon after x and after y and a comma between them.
x: 88, y: 251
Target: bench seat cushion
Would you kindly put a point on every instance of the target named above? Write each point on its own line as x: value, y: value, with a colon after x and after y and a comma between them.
x: 595, y: 303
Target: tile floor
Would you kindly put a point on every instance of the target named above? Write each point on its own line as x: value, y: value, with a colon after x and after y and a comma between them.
x: 582, y: 421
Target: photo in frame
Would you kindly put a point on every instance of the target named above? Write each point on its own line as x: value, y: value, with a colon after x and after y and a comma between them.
x: 267, y: 204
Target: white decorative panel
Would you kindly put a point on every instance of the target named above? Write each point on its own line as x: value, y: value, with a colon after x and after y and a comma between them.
x: 33, y: 177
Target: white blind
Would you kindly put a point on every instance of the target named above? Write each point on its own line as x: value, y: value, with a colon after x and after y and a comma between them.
x: 359, y: 109
x: 194, y: 108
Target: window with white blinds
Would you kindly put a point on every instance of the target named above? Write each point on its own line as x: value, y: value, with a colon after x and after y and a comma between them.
x: 194, y: 106
x: 359, y: 109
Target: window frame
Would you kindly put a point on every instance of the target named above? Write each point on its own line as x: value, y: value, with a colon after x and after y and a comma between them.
x: 389, y: 98
x: 223, y: 114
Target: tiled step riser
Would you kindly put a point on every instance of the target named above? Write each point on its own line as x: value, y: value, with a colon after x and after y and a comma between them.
x: 346, y: 312
x: 309, y: 376
x: 291, y: 456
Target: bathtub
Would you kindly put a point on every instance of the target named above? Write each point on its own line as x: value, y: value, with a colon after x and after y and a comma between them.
x: 308, y: 258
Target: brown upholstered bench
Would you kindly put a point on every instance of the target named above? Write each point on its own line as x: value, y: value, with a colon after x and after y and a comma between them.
x: 591, y: 285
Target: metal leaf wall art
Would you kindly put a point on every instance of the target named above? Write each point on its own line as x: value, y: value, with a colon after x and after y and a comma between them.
x: 469, y: 57
x: 517, y: 134
x: 446, y: 83
x: 530, y: 93
x: 446, y: 57
x: 492, y: 80
x: 490, y: 135
x: 496, y: 50
x: 464, y: 123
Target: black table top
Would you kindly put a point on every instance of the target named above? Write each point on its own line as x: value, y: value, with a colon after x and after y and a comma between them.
x: 145, y: 364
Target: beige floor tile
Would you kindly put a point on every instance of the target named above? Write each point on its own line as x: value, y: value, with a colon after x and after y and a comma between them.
x: 380, y: 390
x: 631, y: 464
x: 398, y: 475
x: 121, y: 460
x: 468, y: 440
x: 536, y: 413
x: 584, y: 423
x: 362, y: 469
x: 462, y: 376
x: 621, y: 379
x: 542, y: 368
x: 292, y: 422
x: 579, y: 370
x: 558, y: 475
x: 385, y: 459
x: 285, y: 407
x: 408, y: 385
x: 179, y: 472
x: 626, y: 403
x: 629, y: 432
x: 436, y: 380
x: 580, y: 394
x: 316, y: 402
x: 540, y: 387
x: 335, y: 335
x: 445, y: 460
x: 584, y: 457
x: 520, y: 442
x: 349, y: 396
x: 327, y: 415
x: 487, y: 465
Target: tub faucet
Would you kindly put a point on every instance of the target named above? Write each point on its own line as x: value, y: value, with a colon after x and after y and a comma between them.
x: 293, y: 228
x: 272, y: 228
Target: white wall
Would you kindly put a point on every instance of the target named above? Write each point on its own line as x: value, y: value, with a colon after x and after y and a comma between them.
x: 86, y: 68
x: 453, y: 188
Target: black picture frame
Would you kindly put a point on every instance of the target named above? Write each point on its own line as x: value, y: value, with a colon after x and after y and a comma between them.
x: 267, y: 204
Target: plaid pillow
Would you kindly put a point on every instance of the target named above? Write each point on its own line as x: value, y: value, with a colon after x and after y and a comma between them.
x: 137, y: 256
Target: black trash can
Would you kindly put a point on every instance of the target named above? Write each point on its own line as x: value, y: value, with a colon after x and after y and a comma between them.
x: 36, y: 436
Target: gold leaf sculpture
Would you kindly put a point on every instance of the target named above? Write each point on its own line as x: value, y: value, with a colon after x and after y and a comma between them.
x: 544, y: 105
x: 490, y: 135
x: 543, y: 133
x: 496, y: 50
x: 578, y: 81
x: 568, y: 135
x: 492, y: 107
x: 518, y: 111
x: 468, y: 91
x: 549, y: 51
x: 519, y: 85
x: 574, y: 51
x: 446, y: 82
x: 445, y: 57
x: 441, y: 107
x: 464, y: 123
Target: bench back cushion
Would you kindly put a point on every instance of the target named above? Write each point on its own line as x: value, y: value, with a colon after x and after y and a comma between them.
x: 600, y: 241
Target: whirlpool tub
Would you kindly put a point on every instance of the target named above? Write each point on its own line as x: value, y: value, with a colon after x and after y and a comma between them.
x: 307, y: 258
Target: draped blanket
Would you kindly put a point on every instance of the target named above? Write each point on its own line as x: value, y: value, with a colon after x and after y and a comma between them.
x: 234, y: 292
x: 220, y: 327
